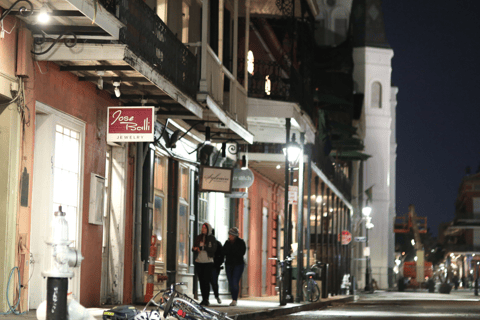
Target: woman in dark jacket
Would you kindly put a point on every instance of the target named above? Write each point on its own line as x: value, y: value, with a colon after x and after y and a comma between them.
x: 234, y: 249
x: 205, y: 246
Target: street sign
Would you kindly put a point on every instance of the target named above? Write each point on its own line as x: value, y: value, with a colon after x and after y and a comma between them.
x: 346, y: 237
x: 292, y: 194
x: 360, y: 239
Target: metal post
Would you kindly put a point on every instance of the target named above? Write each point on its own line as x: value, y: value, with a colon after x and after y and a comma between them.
x: 334, y: 246
x: 367, y: 266
x: 338, y: 255
x: 322, y: 225
x: 309, y: 203
x: 328, y: 240
x: 300, y: 227
x: 286, y: 225
x: 341, y: 256
x: 316, y: 219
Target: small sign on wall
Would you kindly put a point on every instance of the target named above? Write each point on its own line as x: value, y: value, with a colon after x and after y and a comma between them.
x: 130, y: 124
x: 216, y: 179
x: 293, y: 195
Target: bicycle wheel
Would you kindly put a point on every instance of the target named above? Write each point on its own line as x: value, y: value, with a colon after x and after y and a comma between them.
x: 315, y: 292
x: 188, y: 310
x: 311, y: 288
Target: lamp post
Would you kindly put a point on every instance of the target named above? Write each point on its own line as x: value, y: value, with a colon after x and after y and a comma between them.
x: 292, y: 152
x: 366, y: 211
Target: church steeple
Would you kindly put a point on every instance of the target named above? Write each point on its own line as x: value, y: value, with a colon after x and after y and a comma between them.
x: 368, y: 24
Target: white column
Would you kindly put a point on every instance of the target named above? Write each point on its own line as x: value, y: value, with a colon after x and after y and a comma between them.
x: 247, y: 42
x: 203, y: 73
x: 235, y: 38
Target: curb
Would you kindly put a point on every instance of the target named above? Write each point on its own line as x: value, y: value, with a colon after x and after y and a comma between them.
x: 285, y: 311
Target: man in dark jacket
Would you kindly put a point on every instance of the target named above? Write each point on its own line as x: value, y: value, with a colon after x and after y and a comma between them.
x: 234, y: 250
x: 218, y: 260
x: 205, y: 246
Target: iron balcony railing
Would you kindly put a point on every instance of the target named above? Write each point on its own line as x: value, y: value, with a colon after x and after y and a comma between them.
x: 271, y: 80
x: 148, y: 37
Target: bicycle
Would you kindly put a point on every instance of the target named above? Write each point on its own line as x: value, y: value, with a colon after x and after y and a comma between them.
x: 282, y: 266
x: 311, y: 290
x: 179, y: 306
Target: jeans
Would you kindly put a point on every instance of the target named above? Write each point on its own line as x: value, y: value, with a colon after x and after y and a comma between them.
x: 234, y: 273
x: 204, y: 273
x: 214, y: 280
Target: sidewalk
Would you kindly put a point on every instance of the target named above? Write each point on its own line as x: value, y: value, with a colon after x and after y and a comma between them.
x: 248, y: 308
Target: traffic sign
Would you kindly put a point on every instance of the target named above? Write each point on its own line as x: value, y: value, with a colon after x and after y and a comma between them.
x: 360, y: 239
x: 346, y: 237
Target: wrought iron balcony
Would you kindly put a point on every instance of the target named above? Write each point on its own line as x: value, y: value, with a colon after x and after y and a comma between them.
x: 271, y: 80
x: 149, y: 37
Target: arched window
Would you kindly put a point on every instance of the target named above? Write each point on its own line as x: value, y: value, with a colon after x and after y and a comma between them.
x: 376, y: 95
x: 250, y: 62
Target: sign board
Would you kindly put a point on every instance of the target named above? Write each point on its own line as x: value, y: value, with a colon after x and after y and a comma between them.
x: 237, y: 195
x: 242, y: 178
x: 127, y: 124
x: 346, y: 237
x: 366, y: 251
x: 292, y: 194
x: 216, y: 179
x: 360, y: 239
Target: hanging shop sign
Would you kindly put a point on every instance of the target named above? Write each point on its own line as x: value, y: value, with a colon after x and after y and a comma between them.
x: 131, y: 124
x: 242, y: 178
x: 292, y: 194
x: 216, y: 179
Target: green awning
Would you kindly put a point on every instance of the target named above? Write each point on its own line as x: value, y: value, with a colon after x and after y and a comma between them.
x: 350, y: 155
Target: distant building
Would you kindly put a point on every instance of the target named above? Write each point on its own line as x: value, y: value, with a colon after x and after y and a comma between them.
x: 461, y: 237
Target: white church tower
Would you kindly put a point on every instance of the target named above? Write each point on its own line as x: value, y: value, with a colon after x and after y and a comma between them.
x: 372, y: 57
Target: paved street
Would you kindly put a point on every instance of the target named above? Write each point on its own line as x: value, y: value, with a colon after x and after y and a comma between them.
x: 405, y: 305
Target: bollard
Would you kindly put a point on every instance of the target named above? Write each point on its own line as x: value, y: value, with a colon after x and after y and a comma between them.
x: 64, y: 257
x: 325, y: 280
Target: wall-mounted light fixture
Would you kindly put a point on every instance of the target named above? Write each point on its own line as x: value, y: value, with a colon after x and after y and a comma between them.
x: 143, y: 101
x: 116, y: 89
x: 43, y: 15
x: 100, y: 80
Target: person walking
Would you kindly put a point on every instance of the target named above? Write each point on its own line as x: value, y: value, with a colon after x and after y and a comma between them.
x: 218, y: 260
x: 234, y: 249
x: 205, y: 246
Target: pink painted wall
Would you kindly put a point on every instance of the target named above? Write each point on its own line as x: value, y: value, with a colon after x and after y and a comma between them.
x: 63, y: 91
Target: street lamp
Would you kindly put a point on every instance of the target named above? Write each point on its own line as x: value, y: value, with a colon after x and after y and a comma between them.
x: 292, y: 151
x: 366, y: 211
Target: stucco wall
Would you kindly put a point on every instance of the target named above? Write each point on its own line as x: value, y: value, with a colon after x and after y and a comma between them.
x: 63, y: 91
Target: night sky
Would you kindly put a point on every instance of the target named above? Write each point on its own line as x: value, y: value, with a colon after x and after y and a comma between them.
x: 436, y: 66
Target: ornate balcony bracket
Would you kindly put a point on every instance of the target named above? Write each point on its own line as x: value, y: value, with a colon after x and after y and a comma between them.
x: 23, y: 10
x: 70, y: 43
x: 285, y: 6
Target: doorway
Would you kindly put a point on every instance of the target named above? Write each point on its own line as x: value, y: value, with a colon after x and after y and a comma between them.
x: 57, y: 181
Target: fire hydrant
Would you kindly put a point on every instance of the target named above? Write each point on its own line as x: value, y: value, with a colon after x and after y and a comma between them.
x: 64, y: 258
